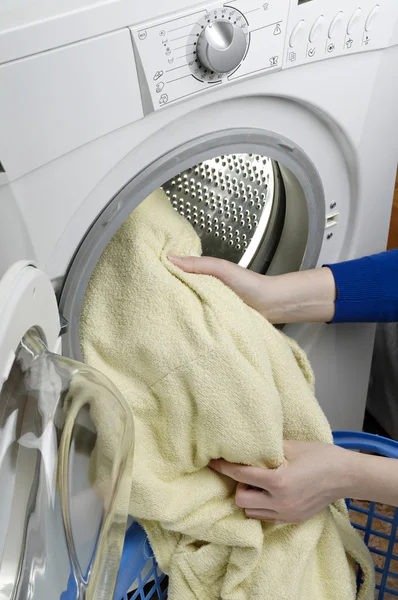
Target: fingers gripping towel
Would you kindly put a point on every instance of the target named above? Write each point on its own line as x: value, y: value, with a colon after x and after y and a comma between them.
x: 208, y: 377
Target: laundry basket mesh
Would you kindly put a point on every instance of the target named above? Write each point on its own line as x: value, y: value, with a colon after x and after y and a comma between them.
x: 151, y: 584
x: 378, y: 524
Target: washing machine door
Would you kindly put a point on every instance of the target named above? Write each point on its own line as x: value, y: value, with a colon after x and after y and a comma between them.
x: 66, y: 449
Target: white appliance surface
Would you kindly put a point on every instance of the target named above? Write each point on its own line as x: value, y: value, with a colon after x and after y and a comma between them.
x: 94, y: 93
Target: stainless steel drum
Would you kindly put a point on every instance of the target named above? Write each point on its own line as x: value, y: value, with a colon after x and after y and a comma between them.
x: 236, y: 204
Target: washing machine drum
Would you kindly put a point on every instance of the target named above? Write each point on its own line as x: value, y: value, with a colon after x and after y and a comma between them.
x: 265, y: 214
x: 236, y: 204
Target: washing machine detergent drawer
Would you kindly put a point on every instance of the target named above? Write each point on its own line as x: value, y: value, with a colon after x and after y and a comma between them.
x: 64, y: 490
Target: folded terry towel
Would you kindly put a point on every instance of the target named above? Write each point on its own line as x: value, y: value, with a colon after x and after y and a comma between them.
x: 208, y: 377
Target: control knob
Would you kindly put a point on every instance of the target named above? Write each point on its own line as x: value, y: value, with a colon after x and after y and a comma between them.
x: 221, y: 46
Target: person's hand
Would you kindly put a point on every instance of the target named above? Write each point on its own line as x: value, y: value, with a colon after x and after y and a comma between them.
x: 290, y: 298
x: 312, y: 476
x: 249, y: 286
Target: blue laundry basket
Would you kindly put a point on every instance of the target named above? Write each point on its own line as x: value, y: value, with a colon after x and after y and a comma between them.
x: 140, y: 577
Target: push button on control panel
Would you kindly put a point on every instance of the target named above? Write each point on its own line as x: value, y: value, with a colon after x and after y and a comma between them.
x: 336, y: 25
x: 372, y: 17
x: 316, y: 29
x: 297, y: 34
x: 354, y: 21
x: 329, y: 29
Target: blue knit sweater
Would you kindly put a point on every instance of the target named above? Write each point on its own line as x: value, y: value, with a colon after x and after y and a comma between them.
x: 367, y: 289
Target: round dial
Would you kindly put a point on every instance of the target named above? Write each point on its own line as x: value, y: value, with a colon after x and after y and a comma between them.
x: 221, y: 46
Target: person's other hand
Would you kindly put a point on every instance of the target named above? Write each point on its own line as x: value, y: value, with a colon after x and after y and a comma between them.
x: 290, y: 298
x: 312, y: 476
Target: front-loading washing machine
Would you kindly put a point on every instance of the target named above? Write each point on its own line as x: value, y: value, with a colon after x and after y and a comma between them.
x: 271, y: 126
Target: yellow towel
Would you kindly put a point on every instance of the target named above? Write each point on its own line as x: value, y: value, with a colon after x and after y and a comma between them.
x: 208, y: 377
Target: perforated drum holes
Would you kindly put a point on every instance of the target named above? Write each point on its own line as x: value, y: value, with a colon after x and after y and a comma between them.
x: 228, y: 201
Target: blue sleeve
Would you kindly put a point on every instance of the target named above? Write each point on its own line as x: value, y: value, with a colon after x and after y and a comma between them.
x: 367, y: 289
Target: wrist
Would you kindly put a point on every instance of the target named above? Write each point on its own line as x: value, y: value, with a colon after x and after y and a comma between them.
x: 372, y: 478
x: 346, y: 473
x: 299, y: 297
x: 361, y: 477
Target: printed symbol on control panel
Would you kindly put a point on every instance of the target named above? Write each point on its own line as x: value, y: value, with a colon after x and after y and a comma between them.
x: 142, y: 35
x: 164, y: 42
x: 162, y: 33
x: 331, y: 48
x: 277, y: 30
x: 168, y: 52
x: 163, y: 99
x: 349, y: 43
x: 157, y: 75
x: 273, y: 61
x: 266, y: 6
x: 292, y: 56
x: 311, y: 52
x: 366, y: 40
x: 159, y: 87
x: 170, y: 61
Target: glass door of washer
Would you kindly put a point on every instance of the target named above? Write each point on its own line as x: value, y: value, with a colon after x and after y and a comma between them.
x: 66, y: 451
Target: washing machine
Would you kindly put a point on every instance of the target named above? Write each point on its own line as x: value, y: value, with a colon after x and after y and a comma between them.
x: 271, y: 126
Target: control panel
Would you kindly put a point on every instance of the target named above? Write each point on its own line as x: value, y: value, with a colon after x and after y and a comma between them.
x: 211, y: 47
x: 225, y: 42
x: 322, y: 30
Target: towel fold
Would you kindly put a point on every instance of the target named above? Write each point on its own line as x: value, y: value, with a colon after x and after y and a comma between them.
x: 208, y: 377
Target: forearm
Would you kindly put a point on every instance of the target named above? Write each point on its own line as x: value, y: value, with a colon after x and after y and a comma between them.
x: 305, y: 296
x: 371, y: 478
x: 362, y: 290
